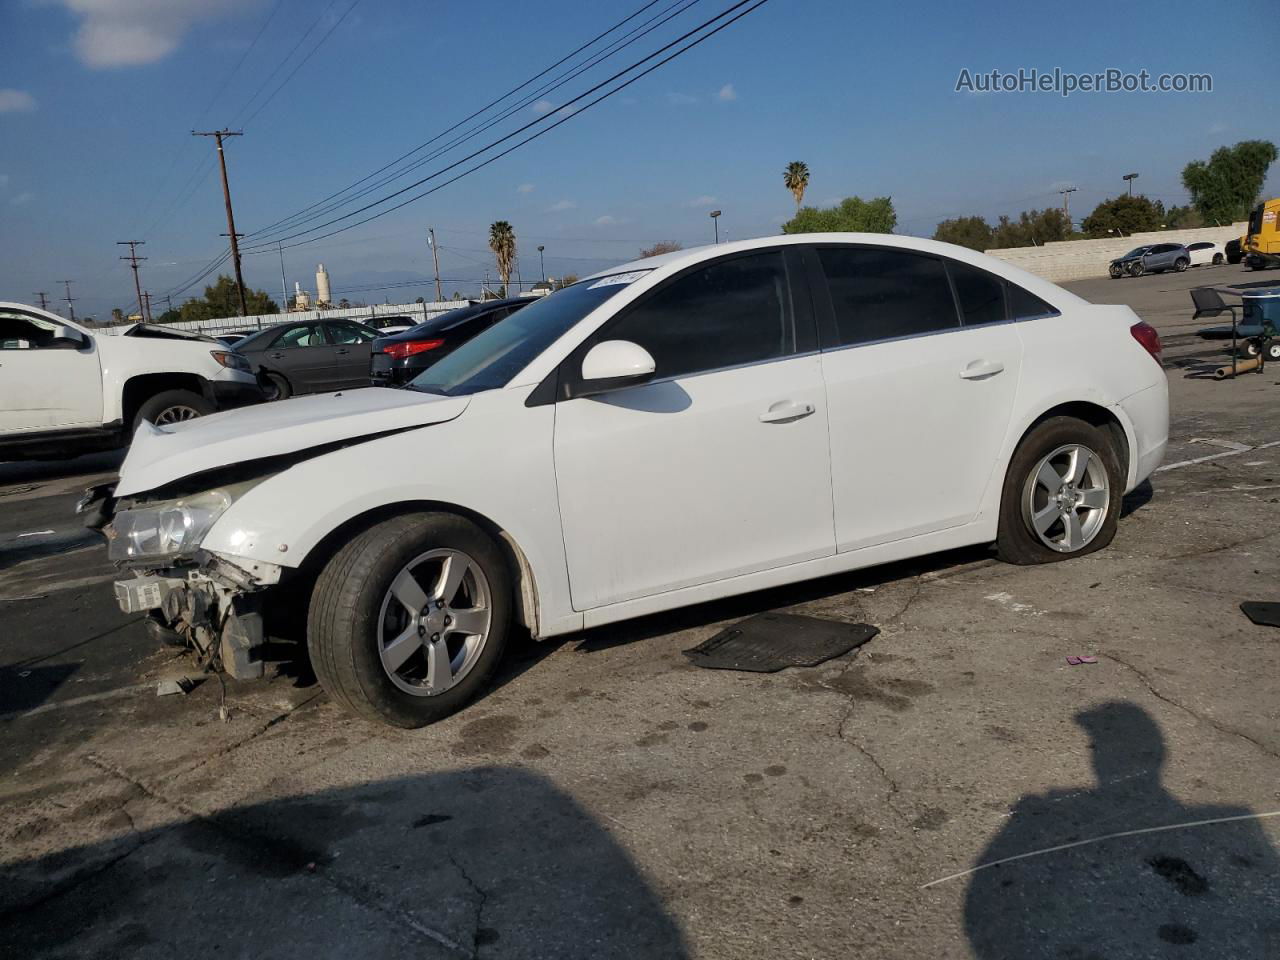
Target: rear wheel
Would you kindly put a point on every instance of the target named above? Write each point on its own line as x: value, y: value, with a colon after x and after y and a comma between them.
x: 1218, y: 260
x: 408, y: 621
x: 1061, y: 494
x: 172, y: 406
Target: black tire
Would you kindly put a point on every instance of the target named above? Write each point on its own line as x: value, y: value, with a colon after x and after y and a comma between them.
x: 275, y: 387
x: 1181, y: 264
x: 1273, y: 351
x: 1016, y: 541
x: 1218, y: 260
x: 1136, y: 269
x: 172, y: 406
x: 343, y: 628
x: 1116, y: 271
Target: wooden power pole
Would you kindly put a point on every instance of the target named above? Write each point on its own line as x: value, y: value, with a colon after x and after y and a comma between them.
x: 133, y: 259
x: 44, y: 300
x: 231, y: 219
x: 71, y: 305
x: 435, y: 256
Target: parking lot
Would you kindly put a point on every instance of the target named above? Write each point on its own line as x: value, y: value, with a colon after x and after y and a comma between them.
x: 607, y: 798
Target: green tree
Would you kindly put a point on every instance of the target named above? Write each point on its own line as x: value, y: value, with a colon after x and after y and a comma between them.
x: 852, y: 215
x: 662, y: 246
x: 502, y: 241
x: 1226, y: 188
x: 1124, y: 214
x: 221, y: 300
x: 344, y: 303
x: 1033, y: 227
x: 796, y: 179
x: 171, y: 315
x: 971, y: 232
x: 1183, y: 218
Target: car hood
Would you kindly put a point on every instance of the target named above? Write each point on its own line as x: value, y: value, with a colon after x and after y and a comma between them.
x: 161, y: 455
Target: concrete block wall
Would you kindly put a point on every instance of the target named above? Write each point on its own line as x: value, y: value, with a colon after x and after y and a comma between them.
x: 1080, y: 259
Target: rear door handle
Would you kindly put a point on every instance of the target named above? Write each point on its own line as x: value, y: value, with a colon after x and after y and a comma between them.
x: 979, y: 369
x: 786, y: 410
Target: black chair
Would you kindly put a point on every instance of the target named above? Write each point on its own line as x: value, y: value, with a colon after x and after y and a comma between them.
x: 1209, y: 303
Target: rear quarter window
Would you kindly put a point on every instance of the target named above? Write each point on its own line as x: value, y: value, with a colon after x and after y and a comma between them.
x: 1024, y: 305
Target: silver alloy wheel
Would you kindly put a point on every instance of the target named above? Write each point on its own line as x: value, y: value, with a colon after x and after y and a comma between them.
x: 176, y: 414
x: 1066, y: 498
x: 430, y: 638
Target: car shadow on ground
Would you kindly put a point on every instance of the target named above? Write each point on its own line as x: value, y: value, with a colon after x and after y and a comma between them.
x: 1045, y: 888
x: 38, y: 471
x: 438, y: 865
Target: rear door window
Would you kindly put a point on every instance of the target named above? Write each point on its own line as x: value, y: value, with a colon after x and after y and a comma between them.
x: 879, y: 293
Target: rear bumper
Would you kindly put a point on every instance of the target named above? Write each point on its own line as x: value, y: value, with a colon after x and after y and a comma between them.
x: 1148, y: 415
x: 228, y: 394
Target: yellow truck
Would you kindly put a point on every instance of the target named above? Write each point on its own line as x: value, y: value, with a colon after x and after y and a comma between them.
x: 1261, y: 245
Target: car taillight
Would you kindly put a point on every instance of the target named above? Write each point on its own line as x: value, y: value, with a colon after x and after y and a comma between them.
x: 398, y: 351
x: 1146, y: 335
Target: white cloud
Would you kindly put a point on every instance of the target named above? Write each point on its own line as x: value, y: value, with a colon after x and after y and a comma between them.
x: 525, y: 188
x: 727, y: 93
x: 561, y: 206
x: 21, y: 198
x: 543, y: 106
x: 16, y: 101
x: 128, y: 33
x: 606, y: 220
x: 1219, y: 128
x: 681, y: 99
x: 703, y: 201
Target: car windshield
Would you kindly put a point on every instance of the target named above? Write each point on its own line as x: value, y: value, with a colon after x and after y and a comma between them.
x: 490, y: 360
x: 1135, y: 252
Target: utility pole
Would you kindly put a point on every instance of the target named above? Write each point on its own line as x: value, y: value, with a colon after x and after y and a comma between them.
x: 133, y: 259
x: 542, y: 263
x: 284, y: 287
x: 231, y: 220
x: 1066, y: 205
x: 44, y: 300
x: 435, y: 256
x: 146, y: 298
x: 71, y: 307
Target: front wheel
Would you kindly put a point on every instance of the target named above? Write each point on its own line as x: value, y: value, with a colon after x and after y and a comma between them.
x: 1116, y: 271
x: 408, y: 621
x: 1061, y: 495
x: 276, y: 387
x: 1136, y: 269
x: 1181, y: 264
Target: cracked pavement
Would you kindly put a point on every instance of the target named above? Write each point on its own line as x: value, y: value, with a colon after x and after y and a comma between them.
x: 607, y: 798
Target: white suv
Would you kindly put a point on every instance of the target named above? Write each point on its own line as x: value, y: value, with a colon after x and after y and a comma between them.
x: 675, y: 430
x: 65, y: 390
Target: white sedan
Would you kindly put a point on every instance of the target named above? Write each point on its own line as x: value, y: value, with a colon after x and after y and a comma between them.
x: 682, y: 428
x: 1204, y: 253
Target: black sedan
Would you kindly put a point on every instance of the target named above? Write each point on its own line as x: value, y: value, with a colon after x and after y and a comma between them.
x: 398, y: 359
x: 309, y: 356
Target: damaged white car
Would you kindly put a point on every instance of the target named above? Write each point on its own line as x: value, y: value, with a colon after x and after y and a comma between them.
x: 679, y: 429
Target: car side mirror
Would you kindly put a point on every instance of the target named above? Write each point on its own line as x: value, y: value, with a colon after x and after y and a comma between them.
x: 612, y: 365
x: 67, y: 338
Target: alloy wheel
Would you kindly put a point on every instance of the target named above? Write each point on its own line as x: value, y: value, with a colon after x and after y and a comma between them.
x: 434, y: 622
x: 176, y: 414
x: 1066, y: 498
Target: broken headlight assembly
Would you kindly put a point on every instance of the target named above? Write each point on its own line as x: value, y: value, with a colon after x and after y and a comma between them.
x: 169, y: 529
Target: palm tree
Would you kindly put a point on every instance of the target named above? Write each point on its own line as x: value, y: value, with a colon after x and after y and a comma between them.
x: 502, y: 241
x: 796, y: 177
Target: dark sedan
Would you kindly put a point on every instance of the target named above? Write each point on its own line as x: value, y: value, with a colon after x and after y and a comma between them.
x: 398, y: 359
x: 309, y: 356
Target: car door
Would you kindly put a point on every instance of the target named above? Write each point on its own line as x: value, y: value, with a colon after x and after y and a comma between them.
x: 1162, y: 256
x: 352, y: 345
x: 46, y: 383
x: 718, y: 466
x: 919, y: 402
x: 303, y: 354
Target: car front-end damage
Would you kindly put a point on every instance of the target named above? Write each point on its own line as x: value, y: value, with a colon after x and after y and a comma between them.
x: 213, y: 602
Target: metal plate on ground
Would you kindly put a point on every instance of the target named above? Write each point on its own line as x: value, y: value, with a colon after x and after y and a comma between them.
x: 1264, y: 613
x: 769, y: 642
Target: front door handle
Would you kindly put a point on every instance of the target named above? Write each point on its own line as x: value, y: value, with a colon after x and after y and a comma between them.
x: 979, y: 369
x: 343, y: 352
x: 276, y: 356
x: 785, y: 411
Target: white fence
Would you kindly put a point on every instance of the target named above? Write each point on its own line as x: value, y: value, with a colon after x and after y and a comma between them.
x: 1080, y: 259
x: 416, y: 312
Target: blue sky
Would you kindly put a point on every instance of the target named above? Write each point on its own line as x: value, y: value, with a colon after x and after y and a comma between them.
x: 98, y: 98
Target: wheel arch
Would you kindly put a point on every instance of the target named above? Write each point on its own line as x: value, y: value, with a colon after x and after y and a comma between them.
x: 139, y: 388
x: 527, y: 608
x: 1110, y: 419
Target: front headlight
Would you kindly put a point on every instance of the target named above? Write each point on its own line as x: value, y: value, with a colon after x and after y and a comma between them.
x: 231, y: 360
x: 166, y: 530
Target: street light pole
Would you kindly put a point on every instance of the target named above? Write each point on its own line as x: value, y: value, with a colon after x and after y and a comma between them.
x: 542, y: 263
x: 1130, y: 177
x: 715, y: 218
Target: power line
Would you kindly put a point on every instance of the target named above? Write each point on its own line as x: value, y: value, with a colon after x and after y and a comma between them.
x: 741, y: 3
x: 467, y: 119
x: 325, y: 206
x: 287, y: 57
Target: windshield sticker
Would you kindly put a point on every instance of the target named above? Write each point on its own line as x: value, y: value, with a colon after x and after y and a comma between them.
x: 618, y: 279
